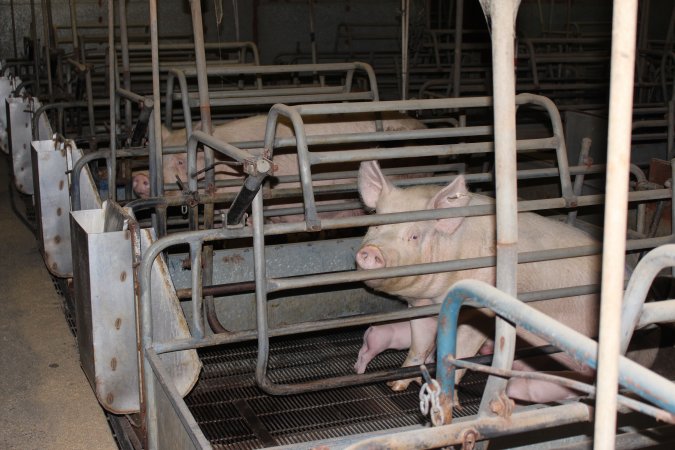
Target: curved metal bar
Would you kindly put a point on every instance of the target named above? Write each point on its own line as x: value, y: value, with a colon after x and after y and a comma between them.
x: 632, y: 376
x: 640, y: 282
x: 304, y: 168
x: 570, y: 383
x: 59, y: 105
x: 80, y: 163
x: 187, y: 113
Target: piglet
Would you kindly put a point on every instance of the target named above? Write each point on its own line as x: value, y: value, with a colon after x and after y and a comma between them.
x: 394, y: 336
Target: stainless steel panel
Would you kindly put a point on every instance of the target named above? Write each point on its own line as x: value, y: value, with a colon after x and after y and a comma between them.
x: 19, y: 113
x: 50, y: 162
x: 106, y: 314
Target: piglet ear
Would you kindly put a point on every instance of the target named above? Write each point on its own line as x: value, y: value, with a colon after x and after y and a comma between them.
x: 454, y: 195
x: 372, y: 183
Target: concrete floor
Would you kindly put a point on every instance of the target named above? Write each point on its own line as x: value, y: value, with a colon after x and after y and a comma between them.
x: 46, y: 400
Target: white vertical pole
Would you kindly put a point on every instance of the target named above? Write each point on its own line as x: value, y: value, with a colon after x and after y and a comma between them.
x: 624, y: 25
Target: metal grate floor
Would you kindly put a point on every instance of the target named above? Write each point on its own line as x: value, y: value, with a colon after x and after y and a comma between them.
x: 234, y: 413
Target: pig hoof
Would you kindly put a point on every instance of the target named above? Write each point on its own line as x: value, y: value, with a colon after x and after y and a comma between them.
x: 399, y: 385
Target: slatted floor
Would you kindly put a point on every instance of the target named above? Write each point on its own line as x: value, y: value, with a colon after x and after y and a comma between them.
x: 235, y: 414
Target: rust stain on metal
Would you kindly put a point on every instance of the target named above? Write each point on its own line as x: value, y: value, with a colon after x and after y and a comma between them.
x: 57, y: 239
x: 118, y: 323
x: 61, y: 185
x: 502, y: 343
x: 59, y: 211
x: 110, y: 398
x: 469, y: 438
x: 113, y: 364
x: 234, y: 259
x: 123, y: 276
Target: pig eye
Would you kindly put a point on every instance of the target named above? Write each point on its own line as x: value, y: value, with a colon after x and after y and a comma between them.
x: 413, y: 237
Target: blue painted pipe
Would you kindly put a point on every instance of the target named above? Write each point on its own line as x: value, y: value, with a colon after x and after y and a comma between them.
x: 584, y: 350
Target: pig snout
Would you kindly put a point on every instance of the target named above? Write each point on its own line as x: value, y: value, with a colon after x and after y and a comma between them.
x: 141, y: 185
x: 370, y: 257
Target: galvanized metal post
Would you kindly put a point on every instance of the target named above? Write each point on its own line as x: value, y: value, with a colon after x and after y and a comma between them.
x: 36, y: 48
x: 405, y: 32
x: 457, y: 64
x: 46, y: 43
x: 112, y: 161
x: 73, y: 29
x: 205, y: 110
x: 126, y: 76
x: 624, y: 24
x: 503, y: 15
x: 155, y: 161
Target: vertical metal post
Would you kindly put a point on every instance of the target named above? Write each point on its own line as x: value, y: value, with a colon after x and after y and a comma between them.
x: 11, y: 9
x: 36, y: 48
x: 312, y: 32
x: 457, y: 64
x: 155, y: 161
x: 73, y: 29
x: 205, y: 110
x: 112, y: 161
x: 46, y: 33
x: 502, y: 14
x: 126, y: 75
x: 405, y: 31
x: 643, y: 38
x: 204, y: 101
x: 624, y: 24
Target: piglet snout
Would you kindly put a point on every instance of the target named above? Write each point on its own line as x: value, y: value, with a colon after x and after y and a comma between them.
x: 370, y: 257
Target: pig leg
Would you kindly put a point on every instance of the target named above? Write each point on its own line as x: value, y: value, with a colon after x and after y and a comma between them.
x: 537, y: 391
x: 366, y: 354
x: 422, y: 346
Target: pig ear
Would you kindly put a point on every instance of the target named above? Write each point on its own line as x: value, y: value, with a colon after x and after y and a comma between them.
x: 372, y: 183
x: 454, y: 195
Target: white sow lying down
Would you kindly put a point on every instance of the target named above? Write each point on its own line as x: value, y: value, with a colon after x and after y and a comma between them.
x: 253, y: 129
x: 470, y: 237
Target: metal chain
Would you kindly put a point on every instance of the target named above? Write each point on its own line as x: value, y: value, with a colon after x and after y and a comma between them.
x: 430, y: 402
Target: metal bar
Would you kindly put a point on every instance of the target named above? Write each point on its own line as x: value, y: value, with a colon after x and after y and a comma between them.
x: 311, y: 218
x: 624, y: 23
x: 46, y: 37
x: 479, y: 429
x: 73, y: 28
x: 405, y: 32
x: 187, y: 113
x: 645, y: 383
x: 344, y: 322
x: 457, y: 62
x: 126, y: 76
x: 197, y: 306
x: 156, y: 153
x: 584, y: 388
x: 502, y: 16
x: 112, y: 161
x: 638, y: 287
